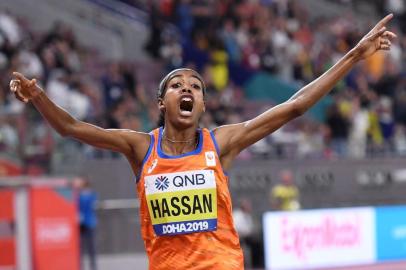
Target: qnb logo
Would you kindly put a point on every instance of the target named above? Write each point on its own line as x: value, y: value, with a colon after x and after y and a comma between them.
x: 162, y: 183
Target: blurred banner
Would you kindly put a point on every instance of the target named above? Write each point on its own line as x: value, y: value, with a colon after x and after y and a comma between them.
x: 54, y: 229
x: 319, y: 238
x: 7, y: 241
x: 38, y: 224
x: 334, y: 237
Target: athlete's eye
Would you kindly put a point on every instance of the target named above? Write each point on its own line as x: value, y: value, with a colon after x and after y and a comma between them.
x: 176, y: 85
x: 196, y: 86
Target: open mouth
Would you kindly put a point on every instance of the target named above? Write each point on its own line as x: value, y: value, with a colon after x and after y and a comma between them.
x: 186, y: 106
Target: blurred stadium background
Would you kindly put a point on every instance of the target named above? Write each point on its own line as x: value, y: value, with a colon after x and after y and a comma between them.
x: 102, y: 61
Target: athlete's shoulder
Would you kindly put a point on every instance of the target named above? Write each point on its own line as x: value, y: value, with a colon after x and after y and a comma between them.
x: 136, y: 135
x: 139, y: 142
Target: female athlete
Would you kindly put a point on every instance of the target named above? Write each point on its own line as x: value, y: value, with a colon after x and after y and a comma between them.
x: 185, y: 205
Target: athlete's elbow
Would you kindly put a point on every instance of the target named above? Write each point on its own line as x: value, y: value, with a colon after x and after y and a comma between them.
x: 67, y: 130
x: 64, y: 132
x: 298, y: 108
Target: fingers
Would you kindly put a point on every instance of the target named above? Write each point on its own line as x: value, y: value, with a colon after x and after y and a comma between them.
x: 18, y: 95
x: 379, y: 33
x: 15, y: 85
x: 32, y: 83
x: 20, y: 76
x: 389, y: 35
x: 385, y: 42
x: 384, y: 21
x: 384, y: 47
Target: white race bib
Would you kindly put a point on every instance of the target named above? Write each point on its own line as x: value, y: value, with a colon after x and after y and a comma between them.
x: 182, y: 202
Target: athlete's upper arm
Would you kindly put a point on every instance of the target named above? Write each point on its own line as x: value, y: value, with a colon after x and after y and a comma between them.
x: 131, y: 143
x: 232, y: 139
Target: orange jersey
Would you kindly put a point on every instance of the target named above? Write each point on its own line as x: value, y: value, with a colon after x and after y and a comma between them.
x: 185, y: 209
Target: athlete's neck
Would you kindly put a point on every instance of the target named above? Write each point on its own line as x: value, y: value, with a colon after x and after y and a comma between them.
x: 176, y: 142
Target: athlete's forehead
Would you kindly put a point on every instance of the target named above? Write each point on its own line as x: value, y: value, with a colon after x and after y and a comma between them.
x: 182, y: 73
x: 185, y: 74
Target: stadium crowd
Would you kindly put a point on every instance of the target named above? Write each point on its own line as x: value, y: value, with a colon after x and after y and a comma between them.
x: 229, y: 42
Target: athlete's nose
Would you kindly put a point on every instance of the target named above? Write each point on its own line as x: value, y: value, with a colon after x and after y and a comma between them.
x: 184, y: 90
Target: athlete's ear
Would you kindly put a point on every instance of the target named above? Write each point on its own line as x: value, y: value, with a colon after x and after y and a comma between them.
x: 161, y: 104
x: 204, y: 106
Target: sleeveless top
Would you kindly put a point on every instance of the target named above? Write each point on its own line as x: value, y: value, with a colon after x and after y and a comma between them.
x: 185, y: 209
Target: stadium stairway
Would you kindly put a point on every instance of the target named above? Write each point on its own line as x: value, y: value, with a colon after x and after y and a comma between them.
x: 96, y: 25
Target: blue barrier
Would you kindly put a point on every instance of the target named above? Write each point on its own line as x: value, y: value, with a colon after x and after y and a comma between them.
x: 390, y: 233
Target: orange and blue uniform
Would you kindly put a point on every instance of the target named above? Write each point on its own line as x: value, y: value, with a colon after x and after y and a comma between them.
x: 185, y: 209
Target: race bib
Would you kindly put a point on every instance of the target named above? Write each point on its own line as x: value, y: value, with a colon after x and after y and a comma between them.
x: 182, y: 202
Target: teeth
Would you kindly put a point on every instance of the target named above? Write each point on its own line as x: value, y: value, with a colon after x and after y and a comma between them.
x: 186, y: 99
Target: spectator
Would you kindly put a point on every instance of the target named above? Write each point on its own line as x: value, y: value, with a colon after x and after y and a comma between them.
x: 358, y: 133
x: 9, y: 140
x: 285, y: 195
x: 227, y: 40
x: 114, y: 85
x: 386, y: 120
x: 171, y: 51
x: 310, y: 140
x: 10, y: 28
x: 218, y: 66
x: 184, y: 17
x: 400, y: 140
x: 339, y: 128
x: 244, y: 224
x: 87, y: 220
x: 154, y: 41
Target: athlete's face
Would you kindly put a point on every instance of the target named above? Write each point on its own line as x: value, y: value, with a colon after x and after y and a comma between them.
x: 183, y: 101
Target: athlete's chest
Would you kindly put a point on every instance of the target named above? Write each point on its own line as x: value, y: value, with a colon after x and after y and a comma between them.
x: 202, y: 161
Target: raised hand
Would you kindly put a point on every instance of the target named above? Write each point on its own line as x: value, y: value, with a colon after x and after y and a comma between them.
x: 23, y: 88
x: 377, y: 39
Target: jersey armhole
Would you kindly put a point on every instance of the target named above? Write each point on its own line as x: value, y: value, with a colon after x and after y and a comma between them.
x: 217, y: 150
x: 151, y: 145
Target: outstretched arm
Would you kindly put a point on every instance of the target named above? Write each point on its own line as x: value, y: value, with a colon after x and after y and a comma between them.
x: 118, y: 140
x: 232, y: 139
